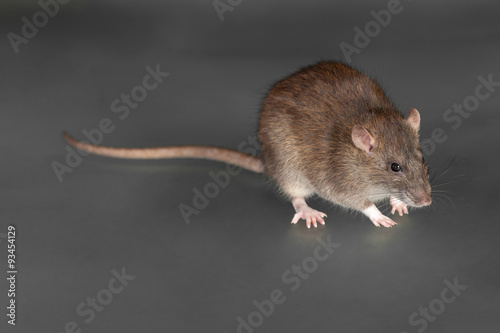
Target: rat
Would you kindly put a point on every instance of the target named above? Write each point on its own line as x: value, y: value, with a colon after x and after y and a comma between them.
x: 327, y: 130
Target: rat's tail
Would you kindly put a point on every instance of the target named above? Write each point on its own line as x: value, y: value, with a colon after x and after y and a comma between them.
x: 234, y: 157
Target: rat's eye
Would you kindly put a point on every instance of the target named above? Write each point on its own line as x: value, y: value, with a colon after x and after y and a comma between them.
x: 396, y: 167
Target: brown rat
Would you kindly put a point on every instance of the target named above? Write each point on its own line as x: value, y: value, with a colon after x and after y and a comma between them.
x: 327, y: 130
x: 331, y: 130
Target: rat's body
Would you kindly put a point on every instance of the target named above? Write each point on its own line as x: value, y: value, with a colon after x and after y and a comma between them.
x: 328, y: 130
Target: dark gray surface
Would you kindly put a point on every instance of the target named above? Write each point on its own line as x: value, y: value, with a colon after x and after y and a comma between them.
x: 112, y: 214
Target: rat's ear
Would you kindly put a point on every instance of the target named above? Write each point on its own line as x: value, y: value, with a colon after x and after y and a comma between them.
x: 363, y: 139
x: 414, y: 119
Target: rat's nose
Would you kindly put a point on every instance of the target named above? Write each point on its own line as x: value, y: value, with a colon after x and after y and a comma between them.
x: 421, y: 197
x: 426, y: 201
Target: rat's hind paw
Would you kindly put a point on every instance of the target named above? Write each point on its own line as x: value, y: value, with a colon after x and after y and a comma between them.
x: 398, y: 206
x: 310, y: 215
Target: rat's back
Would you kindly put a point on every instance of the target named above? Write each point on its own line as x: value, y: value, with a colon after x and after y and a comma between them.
x: 309, y: 115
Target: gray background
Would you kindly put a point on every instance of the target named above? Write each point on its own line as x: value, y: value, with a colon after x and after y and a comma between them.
x: 200, y: 277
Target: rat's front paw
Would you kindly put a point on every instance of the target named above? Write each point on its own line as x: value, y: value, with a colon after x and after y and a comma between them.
x: 310, y: 215
x: 377, y: 217
x: 398, y: 206
x: 382, y: 220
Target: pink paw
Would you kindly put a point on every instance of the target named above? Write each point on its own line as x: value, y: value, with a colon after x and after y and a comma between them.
x: 398, y: 206
x: 383, y: 220
x: 310, y: 215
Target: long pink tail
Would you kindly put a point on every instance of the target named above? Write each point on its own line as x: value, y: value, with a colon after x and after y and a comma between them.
x: 234, y: 157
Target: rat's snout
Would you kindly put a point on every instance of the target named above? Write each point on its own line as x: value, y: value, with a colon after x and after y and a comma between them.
x: 422, y: 197
x: 425, y: 201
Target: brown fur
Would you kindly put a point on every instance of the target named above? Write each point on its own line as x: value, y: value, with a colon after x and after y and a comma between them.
x: 305, y: 132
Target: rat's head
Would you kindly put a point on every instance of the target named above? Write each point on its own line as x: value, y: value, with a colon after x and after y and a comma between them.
x: 395, y: 160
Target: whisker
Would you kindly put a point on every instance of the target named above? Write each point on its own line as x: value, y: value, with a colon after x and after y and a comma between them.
x: 442, y: 191
x: 452, y: 177
x: 440, y: 197
x: 444, y: 184
x: 441, y: 200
